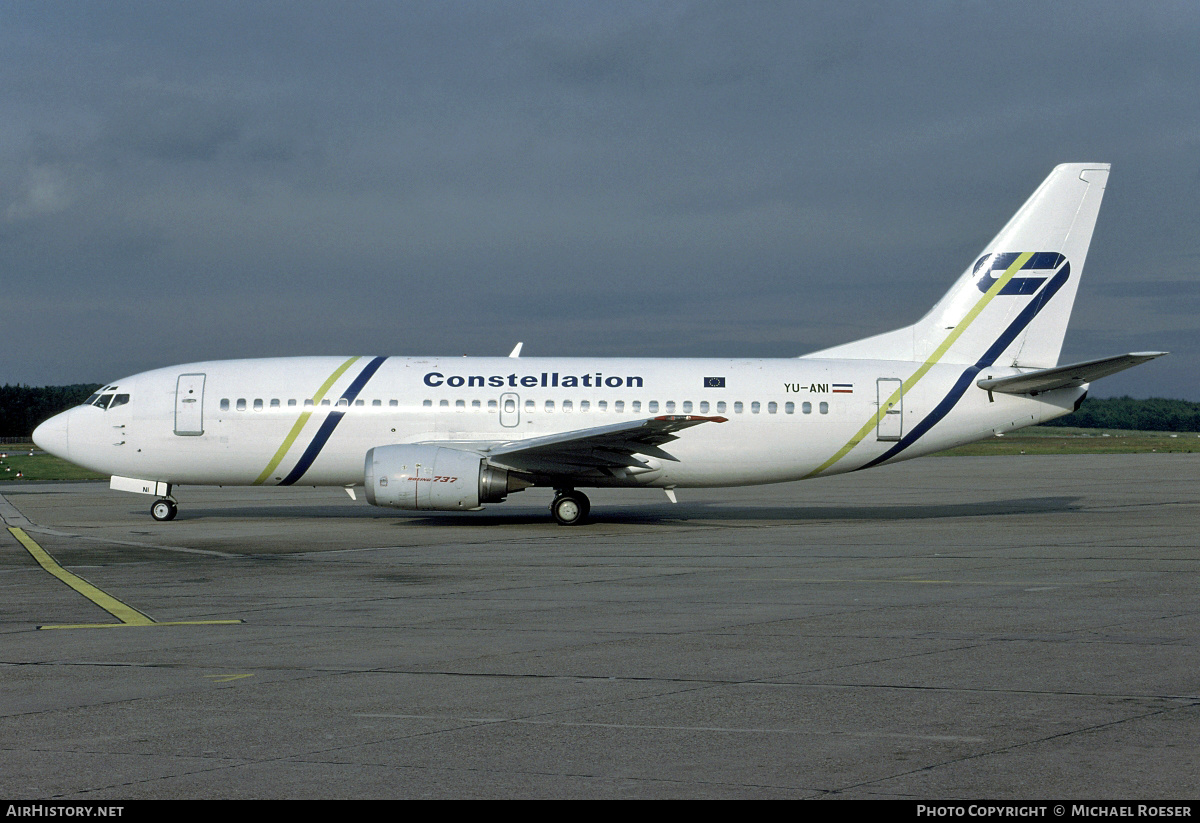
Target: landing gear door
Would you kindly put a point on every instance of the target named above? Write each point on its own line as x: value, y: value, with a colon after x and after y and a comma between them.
x: 890, y: 425
x: 189, y: 405
x: 510, y: 409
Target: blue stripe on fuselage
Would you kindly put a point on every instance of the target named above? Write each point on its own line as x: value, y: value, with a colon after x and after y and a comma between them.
x: 331, y: 422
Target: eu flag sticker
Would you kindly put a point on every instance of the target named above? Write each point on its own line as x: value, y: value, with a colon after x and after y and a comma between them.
x: 714, y: 382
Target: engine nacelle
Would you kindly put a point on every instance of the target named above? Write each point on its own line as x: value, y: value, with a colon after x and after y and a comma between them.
x: 434, y: 478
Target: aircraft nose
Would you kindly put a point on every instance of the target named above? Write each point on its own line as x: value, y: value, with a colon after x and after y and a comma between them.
x: 52, y: 436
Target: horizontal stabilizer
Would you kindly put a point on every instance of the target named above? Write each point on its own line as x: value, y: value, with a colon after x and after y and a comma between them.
x: 1062, y: 377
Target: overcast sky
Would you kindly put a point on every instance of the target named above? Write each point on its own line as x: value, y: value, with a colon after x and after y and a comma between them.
x: 186, y: 181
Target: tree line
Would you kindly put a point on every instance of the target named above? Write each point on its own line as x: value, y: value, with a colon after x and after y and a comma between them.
x: 1155, y: 414
x: 22, y: 408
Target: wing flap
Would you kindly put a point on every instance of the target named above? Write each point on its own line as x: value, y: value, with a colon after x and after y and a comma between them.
x: 599, y: 448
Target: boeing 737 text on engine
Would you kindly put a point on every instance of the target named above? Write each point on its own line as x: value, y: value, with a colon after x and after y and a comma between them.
x: 452, y: 434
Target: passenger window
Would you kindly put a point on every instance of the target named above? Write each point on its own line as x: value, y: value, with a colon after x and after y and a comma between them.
x: 476, y: 405
x: 360, y: 402
x: 789, y: 407
x: 308, y: 401
x: 460, y: 405
x: 428, y: 404
x: 274, y: 402
x: 443, y: 404
x: 703, y: 407
x: 258, y: 404
x: 567, y: 405
x: 325, y: 402
x: 241, y: 404
x: 670, y: 408
x: 806, y: 407
x: 619, y: 406
x: 652, y: 407
x: 687, y: 406
x: 636, y: 406
x: 393, y: 403
x: 772, y: 407
x: 549, y: 405
x: 510, y: 405
x: 376, y: 402
x: 493, y: 405
x: 754, y: 407
x: 530, y: 405
x: 720, y: 407
x: 602, y: 405
x: 224, y: 404
x: 342, y: 401
x: 292, y: 402
x: 824, y: 407
x: 584, y: 405
x: 737, y: 407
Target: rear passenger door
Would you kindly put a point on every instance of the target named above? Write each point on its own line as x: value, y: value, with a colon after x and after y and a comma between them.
x: 890, y: 422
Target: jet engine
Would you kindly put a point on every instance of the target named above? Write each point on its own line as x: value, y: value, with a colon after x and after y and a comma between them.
x: 435, y: 478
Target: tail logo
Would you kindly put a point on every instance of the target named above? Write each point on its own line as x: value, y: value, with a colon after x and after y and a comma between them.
x: 1045, y: 263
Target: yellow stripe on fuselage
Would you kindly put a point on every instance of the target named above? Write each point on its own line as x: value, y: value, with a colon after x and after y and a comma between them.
x: 299, y: 424
x: 929, y: 363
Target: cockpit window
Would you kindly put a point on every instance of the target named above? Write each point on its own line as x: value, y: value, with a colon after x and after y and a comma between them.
x: 105, y: 399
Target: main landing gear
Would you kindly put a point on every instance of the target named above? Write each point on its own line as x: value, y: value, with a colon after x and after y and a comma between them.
x: 164, y: 509
x: 570, y: 507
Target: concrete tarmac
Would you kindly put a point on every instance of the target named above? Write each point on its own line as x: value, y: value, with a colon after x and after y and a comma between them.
x: 950, y: 628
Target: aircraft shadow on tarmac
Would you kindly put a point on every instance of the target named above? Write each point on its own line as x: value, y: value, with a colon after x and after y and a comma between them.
x: 633, y: 514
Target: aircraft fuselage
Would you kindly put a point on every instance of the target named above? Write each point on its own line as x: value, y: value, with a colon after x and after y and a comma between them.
x: 785, y: 419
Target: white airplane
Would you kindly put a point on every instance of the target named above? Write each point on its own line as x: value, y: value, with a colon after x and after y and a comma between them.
x: 452, y: 434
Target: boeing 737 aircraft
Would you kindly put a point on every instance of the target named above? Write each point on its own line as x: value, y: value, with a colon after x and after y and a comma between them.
x: 451, y: 434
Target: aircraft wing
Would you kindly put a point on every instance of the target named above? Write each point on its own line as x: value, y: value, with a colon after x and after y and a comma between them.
x: 603, y: 448
x: 1072, y: 376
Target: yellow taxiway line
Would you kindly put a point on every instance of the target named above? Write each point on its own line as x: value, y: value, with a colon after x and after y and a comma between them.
x: 128, y: 615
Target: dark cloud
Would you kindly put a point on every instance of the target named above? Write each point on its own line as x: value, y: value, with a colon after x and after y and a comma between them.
x: 211, y: 179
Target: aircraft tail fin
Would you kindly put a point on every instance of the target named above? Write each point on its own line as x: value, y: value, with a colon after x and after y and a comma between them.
x: 1012, y: 304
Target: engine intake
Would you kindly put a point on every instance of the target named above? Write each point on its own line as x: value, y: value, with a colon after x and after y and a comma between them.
x: 435, y: 478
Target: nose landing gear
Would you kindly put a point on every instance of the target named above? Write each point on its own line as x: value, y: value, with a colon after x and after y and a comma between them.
x: 164, y: 509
